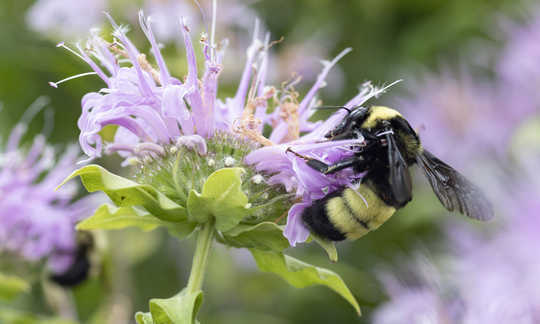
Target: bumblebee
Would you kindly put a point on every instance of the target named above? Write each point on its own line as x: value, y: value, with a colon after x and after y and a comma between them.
x: 80, y: 268
x: 391, y: 148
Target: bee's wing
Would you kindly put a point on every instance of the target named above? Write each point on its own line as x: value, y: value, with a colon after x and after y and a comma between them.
x: 453, y: 190
x: 400, y: 177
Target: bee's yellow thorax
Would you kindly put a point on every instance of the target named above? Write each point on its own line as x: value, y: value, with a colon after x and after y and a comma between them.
x: 379, y: 113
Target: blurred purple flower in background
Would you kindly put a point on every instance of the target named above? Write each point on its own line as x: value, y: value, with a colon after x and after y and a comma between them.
x: 66, y: 18
x: 418, y: 302
x: 166, y: 13
x: 457, y: 116
x: 301, y: 56
x: 518, y: 66
x: 36, y: 221
x: 462, y: 116
x: 495, y: 276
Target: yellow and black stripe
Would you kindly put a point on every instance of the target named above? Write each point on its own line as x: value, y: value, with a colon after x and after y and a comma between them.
x: 347, y: 214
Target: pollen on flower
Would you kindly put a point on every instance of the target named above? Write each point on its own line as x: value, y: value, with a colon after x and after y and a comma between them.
x: 257, y: 179
x: 289, y: 113
x: 147, y: 159
x: 133, y: 161
x: 229, y: 161
x: 145, y: 65
x: 211, y: 162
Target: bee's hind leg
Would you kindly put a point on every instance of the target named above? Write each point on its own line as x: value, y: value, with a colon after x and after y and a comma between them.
x: 329, y: 169
x: 313, y: 163
x: 340, y: 165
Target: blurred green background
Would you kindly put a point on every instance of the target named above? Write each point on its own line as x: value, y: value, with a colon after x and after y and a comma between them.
x: 392, y: 39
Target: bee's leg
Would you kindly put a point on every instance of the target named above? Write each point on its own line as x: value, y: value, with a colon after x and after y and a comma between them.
x: 357, y: 162
x: 313, y: 163
x: 297, y: 154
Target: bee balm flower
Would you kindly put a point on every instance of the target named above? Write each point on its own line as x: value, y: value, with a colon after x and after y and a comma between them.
x: 37, y: 222
x: 157, y: 115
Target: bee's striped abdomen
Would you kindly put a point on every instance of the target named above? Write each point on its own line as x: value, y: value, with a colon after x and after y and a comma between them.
x: 316, y: 219
x: 347, y: 214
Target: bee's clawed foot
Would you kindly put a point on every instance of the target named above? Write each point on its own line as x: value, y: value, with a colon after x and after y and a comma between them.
x: 288, y: 150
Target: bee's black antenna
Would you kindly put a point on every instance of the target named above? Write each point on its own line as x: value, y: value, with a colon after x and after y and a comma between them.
x: 333, y: 107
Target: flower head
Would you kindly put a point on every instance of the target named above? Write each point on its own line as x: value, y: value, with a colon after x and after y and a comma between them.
x: 154, y: 110
x: 38, y: 222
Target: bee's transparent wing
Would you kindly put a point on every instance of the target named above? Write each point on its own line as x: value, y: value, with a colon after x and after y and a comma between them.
x: 400, y: 177
x: 453, y: 190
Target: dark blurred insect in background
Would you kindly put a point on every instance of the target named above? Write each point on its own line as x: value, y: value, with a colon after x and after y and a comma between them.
x: 82, y: 263
x: 391, y: 147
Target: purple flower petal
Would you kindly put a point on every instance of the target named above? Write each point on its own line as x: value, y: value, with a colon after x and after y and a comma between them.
x: 295, y: 230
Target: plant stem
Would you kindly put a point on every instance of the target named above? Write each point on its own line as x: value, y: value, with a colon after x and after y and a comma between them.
x: 200, y: 258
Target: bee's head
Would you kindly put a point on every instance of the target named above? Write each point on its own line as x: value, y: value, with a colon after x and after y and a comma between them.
x: 351, y: 122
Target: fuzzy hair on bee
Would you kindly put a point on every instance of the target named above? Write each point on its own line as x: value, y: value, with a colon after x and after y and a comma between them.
x: 392, y: 148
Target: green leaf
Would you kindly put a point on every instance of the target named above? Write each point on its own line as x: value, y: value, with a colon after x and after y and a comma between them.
x: 11, y: 286
x: 263, y: 236
x: 111, y: 217
x: 222, y: 197
x: 180, y: 309
x: 300, y: 274
x: 328, y: 246
x: 125, y: 193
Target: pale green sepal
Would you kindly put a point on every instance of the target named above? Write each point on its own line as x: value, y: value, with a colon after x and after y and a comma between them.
x: 199, y: 207
x: 328, y: 246
x: 181, y: 230
x: 221, y: 197
x: 300, y: 274
x: 180, y: 309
